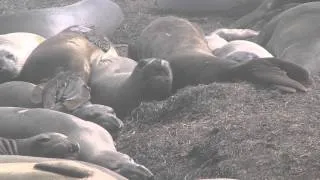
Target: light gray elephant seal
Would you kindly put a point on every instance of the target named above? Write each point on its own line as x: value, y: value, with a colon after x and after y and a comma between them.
x: 234, y: 7
x: 53, y: 145
x: 14, y: 50
x: 37, y: 168
x: 122, y: 83
x: 21, y: 94
x: 265, y: 11
x: 96, y: 143
x: 237, y: 50
x: 183, y: 45
x: 294, y: 36
x: 105, y: 15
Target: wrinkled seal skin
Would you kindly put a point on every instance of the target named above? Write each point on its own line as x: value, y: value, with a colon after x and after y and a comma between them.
x: 234, y: 7
x: 105, y: 15
x: 62, y: 66
x: 265, y: 11
x: 20, y: 94
x: 96, y: 144
x: 37, y: 168
x: 14, y: 50
x: 53, y: 145
x: 122, y: 83
x: 294, y: 36
x: 184, y: 46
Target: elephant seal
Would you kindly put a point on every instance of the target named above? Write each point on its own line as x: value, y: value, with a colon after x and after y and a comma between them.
x: 265, y: 11
x: 61, y: 66
x: 22, y: 94
x: 234, y: 7
x: 183, y: 45
x: 122, y: 83
x: 237, y: 50
x: 53, y: 145
x: 96, y: 143
x: 27, y: 167
x: 293, y: 36
x: 14, y: 50
x: 105, y: 15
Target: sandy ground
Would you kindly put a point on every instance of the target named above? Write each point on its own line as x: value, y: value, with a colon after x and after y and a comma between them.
x: 234, y: 130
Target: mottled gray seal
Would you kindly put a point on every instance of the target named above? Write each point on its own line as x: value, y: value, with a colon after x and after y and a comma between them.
x: 96, y: 143
x: 294, y: 36
x: 14, y: 50
x: 234, y: 7
x: 53, y: 145
x: 183, y: 45
x: 122, y: 83
x: 37, y: 168
x: 22, y: 94
x: 105, y: 15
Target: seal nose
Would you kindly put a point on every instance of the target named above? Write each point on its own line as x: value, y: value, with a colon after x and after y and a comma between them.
x: 74, y: 148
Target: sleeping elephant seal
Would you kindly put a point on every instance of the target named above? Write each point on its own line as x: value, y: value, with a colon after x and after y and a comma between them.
x: 62, y: 66
x: 294, y: 36
x: 96, y: 144
x: 52, y: 145
x: 233, y: 7
x: 14, y: 50
x: 183, y: 45
x: 265, y: 11
x: 237, y: 50
x: 122, y: 83
x: 105, y: 15
x: 21, y: 94
x: 37, y: 168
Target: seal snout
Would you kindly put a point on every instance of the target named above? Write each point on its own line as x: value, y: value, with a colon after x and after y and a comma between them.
x: 74, y: 148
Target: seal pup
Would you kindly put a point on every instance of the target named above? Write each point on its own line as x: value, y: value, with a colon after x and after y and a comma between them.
x: 122, y: 83
x: 52, y: 145
x: 233, y: 7
x: 105, y: 15
x: 14, y: 50
x: 96, y: 143
x: 22, y: 94
x: 293, y: 36
x: 37, y: 168
x: 183, y: 45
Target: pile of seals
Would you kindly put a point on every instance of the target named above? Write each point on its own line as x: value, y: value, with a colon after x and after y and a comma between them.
x: 64, y: 88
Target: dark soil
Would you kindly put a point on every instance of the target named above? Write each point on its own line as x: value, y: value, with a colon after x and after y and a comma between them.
x: 232, y: 130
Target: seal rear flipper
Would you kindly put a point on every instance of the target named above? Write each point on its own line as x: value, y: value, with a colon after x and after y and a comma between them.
x: 65, y: 169
x: 65, y: 92
x: 264, y: 71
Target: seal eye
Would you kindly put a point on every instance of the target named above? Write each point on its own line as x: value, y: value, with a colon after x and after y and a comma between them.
x: 43, y: 139
x: 10, y: 56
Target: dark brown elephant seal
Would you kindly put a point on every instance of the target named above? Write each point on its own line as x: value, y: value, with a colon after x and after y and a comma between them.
x: 183, y: 45
x: 61, y: 67
x: 96, y: 143
x: 37, y: 168
x: 52, y: 145
x: 21, y: 94
x: 105, y: 15
x: 294, y: 36
x: 234, y: 7
x: 122, y: 83
x: 14, y: 51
